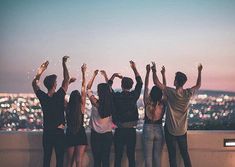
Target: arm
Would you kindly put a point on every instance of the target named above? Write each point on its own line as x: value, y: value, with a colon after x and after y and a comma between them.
x: 118, y: 75
x: 155, y: 78
x: 83, y: 89
x: 36, y: 79
x: 163, y: 71
x: 139, y: 82
x: 66, y: 79
x: 198, y: 84
x: 146, y: 83
x: 105, y: 75
x: 90, y: 83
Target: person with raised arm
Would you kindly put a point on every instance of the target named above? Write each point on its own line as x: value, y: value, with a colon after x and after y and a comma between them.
x: 52, y: 104
x: 126, y: 116
x: 76, y: 139
x: 177, y: 101
x: 101, y: 121
x: 153, y: 137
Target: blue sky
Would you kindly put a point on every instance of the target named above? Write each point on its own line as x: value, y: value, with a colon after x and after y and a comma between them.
x: 107, y: 34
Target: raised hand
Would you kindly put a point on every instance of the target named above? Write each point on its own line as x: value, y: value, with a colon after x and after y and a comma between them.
x: 83, y: 68
x: 71, y: 80
x: 103, y: 72
x: 96, y: 72
x: 153, y: 66
x: 65, y: 58
x: 163, y: 70
x: 43, y: 67
x: 148, y: 68
x: 132, y: 63
x: 118, y: 75
x: 200, y: 67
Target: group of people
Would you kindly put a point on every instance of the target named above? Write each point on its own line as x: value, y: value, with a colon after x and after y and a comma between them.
x: 114, y: 110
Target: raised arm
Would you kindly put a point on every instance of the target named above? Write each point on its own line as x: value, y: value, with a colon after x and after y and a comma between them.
x: 146, y: 84
x: 198, y: 84
x: 66, y: 79
x: 83, y: 89
x: 139, y: 82
x: 163, y: 71
x: 36, y: 79
x: 155, y: 77
x: 115, y: 75
x: 90, y: 83
x: 91, y: 97
x: 105, y: 75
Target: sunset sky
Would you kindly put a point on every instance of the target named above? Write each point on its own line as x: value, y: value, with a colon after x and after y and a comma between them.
x: 107, y: 34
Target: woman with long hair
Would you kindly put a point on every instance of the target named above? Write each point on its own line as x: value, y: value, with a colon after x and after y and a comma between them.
x: 101, y: 121
x: 153, y: 131
x: 75, y: 134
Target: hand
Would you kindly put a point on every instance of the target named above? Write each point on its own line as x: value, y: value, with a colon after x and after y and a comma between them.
x: 43, y: 67
x: 148, y: 68
x: 103, y: 73
x: 153, y: 66
x: 163, y: 70
x: 65, y: 58
x: 132, y: 63
x: 71, y: 80
x: 96, y: 72
x: 83, y: 68
x: 118, y: 75
x: 200, y: 67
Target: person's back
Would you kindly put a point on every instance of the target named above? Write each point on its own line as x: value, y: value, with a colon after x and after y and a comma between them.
x: 126, y: 117
x: 176, y: 125
x: 177, y: 110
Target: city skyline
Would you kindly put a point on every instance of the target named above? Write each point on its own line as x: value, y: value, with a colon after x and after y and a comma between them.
x: 107, y: 34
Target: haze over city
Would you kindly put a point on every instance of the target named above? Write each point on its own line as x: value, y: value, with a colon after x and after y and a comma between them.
x: 107, y: 34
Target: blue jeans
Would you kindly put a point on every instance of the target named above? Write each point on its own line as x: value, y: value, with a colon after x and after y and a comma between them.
x: 153, y: 140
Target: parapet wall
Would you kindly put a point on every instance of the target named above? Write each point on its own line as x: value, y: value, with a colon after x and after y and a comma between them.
x: 24, y: 149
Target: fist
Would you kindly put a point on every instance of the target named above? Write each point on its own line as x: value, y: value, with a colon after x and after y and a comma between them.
x: 200, y: 67
x: 163, y: 70
x: 132, y: 63
x: 65, y: 58
x: 148, y: 67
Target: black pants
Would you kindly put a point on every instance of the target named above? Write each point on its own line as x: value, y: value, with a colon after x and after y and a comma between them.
x: 101, y: 146
x: 53, y: 139
x: 125, y: 137
x: 171, y: 142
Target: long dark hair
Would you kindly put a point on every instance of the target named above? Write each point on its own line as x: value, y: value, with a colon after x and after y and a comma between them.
x: 74, y: 113
x: 106, y: 103
x: 156, y: 95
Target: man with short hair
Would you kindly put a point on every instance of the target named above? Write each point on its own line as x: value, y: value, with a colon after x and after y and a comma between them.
x: 52, y: 104
x: 126, y: 116
x: 177, y: 101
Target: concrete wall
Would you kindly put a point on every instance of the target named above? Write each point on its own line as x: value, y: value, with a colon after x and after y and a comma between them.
x: 24, y: 149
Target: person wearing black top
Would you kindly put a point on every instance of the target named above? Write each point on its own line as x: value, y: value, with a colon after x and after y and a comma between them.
x: 153, y: 138
x: 126, y: 116
x: 52, y: 104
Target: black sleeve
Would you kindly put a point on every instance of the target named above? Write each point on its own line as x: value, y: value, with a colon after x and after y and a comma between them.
x: 40, y: 94
x: 138, y: 87
x: 110, y: 83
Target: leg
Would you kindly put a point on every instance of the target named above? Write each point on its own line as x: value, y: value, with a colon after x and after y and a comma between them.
x: 59, y: 148
x: 158, y: 145
x: 107, y: 142
x: 47, y: 149
x: 70, y: 156
x: 183, y: 146
x: 96, y: 148
x: 171, y: 147
x: 79, y: 154
x: 118, y: 147
x: 131, y: 143
x: 147, y: 139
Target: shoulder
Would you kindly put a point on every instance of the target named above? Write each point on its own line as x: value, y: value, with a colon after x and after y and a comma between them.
x: 61, y: 91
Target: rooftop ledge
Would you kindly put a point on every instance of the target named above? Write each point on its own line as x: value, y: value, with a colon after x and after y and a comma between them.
x: 206, y: 149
